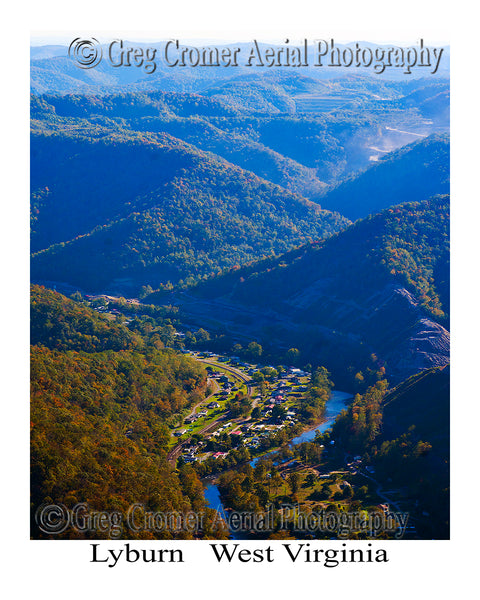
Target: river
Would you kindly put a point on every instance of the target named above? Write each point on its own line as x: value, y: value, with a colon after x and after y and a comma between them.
x: 335, y: 404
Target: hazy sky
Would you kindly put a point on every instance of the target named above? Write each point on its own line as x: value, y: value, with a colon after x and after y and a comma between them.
x: 46, y: 38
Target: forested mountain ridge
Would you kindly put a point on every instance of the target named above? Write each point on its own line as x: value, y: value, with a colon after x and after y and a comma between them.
x: 382, y: 284
x: 60, y: 323
x: 98, y: 419
x: 199, y: 121
x: 335, y: 128
x: 148, y: 209
x: 111, y: 176
x: 406, y: 244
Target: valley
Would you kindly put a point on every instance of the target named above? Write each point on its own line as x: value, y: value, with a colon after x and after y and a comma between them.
x: 212, y: 259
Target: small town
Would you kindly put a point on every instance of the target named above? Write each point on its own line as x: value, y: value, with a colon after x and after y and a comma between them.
x: 272, y: 397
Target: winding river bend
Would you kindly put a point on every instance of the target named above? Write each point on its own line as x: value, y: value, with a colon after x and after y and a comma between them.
x: 335, y: 404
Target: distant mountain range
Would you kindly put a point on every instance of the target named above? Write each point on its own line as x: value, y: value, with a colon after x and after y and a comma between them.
x: 53, y: 71
x: 413, y: 172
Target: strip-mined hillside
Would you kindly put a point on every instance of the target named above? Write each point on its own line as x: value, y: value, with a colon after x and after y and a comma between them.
x: 382, y: 284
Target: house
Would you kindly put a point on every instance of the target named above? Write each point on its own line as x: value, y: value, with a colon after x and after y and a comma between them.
x: 213, y: 405
x: 297, y: 372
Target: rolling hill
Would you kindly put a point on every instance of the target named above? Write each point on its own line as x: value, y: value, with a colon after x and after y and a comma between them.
x: 202, y: 122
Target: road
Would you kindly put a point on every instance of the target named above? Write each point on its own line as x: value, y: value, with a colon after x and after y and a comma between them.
x: 216, y: 388
x: 420, y: 135
x: 175, y: 452
x: 379, y: 491
x: 245, y: 378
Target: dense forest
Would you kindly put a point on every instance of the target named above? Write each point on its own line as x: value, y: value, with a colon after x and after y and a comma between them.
x: 58, y: 322
x: 99, y: 413
x: 150, y: 212
x: 407, y: 244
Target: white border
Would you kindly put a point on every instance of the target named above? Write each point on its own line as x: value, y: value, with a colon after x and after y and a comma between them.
x: 419, y: 569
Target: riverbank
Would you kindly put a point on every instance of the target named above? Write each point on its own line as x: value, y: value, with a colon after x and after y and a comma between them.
x: 334, y: 406
x: 336, y: 403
